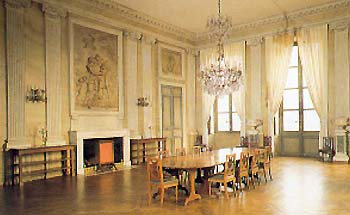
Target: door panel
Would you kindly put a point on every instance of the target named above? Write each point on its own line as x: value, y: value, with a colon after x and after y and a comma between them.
x: 172, y: 127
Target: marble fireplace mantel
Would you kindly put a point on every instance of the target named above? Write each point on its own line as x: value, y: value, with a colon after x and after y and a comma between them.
x: 77, y: 138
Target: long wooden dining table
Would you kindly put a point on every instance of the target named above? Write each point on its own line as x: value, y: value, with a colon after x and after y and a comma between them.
x: 192, y: 162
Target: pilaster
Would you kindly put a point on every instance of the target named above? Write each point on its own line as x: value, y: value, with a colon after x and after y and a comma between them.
x: 147, y: 84
x: 16, y: 66
x: 131, y: 88
x: 254, y: 76
x: 341, y: 67
x: 192, y: 54
x: 53, y: 73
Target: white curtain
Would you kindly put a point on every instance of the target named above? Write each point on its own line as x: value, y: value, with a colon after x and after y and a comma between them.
x: 207, y: 57
x: 234, y: 56
x: 313, y: 55
x: 278, y: 50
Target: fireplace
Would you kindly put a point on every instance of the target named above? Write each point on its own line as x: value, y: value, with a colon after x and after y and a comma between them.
x: 103, y: 151
x: 101, y: 147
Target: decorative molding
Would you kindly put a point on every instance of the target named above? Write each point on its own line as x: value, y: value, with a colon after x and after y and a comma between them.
x: 254, y: 41
x: 54, y: 12
x: 142, y: 18
x: 166, y: 29
x: 340, y: 25
x: 17, y: 4
x: 293, y: 16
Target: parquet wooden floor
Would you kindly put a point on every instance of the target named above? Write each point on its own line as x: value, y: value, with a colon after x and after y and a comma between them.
x: 300, y: 186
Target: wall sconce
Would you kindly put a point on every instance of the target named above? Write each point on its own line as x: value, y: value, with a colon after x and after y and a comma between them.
x: 142, y: 101
x: 35, y: 94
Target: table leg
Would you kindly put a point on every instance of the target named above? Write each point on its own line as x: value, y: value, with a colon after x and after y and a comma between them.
x: 193, y: 195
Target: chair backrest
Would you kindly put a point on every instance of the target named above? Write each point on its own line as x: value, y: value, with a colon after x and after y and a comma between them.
x: 255, y: 159
x: 154, y: 169
x: 264, y: 155
x: 244, y: 161
x: 253, y: 141
x: 197, y: 150
x: 180, y: 152
x: 230, y: 165
x: 163, y: 154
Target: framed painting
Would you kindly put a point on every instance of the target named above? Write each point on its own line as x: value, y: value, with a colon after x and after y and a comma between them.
x: 96, y: 77
x: 171, y: 62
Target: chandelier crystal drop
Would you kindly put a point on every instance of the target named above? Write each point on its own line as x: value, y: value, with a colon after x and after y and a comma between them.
x: 219, y: 78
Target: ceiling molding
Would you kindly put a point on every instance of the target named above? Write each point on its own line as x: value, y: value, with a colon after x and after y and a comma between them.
x: 281, y: 20
x: 151, y: 24
x: 143, y: 19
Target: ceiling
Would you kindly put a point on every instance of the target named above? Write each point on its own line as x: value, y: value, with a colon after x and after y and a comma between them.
x: 192, y: 14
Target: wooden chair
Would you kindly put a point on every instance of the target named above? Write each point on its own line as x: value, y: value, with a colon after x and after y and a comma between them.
x: 267, y: 142
x: 265, y: 162
x: 227, y: 176
x: 254, y: 170
x: 243, y: 169
x: 156, y: 179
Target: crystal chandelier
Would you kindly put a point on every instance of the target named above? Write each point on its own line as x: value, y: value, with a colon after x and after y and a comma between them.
x: 219, y: 78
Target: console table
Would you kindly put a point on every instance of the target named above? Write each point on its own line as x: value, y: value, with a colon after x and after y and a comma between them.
x: 142, y: 148
x: 15, y: 163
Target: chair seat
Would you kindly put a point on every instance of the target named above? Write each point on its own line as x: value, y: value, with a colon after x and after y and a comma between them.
x: 166, y: 181
x: 220, y: 177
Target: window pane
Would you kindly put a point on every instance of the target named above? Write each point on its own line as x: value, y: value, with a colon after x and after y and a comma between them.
x: 236, y: 122
x: 223, y: 104
x: 311, y: 120
x: 294, y: 57
x: 233, y: 107
x: 291, y: 99
x: 307, y: 102
x: 292, y: 79
x: 223, y: 122
x: 291, y: 120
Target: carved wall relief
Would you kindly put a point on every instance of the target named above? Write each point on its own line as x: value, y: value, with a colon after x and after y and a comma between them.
x: 171, y: 62
x: 95, y: 69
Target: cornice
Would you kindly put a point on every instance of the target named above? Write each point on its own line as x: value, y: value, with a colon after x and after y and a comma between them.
x: 281, y: 19
x: 142, y: 18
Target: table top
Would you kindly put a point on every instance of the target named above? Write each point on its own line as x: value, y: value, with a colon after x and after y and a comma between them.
x: 203, y: 160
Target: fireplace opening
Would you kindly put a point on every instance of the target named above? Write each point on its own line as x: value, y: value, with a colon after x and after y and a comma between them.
x: 100, y: 153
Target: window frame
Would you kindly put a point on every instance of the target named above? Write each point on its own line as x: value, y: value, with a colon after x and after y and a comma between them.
x: 230, y: 112
x: 301, y: 108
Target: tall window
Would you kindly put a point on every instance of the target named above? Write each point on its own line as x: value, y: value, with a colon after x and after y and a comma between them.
x: 227, y: 117
x: 299, y: 113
